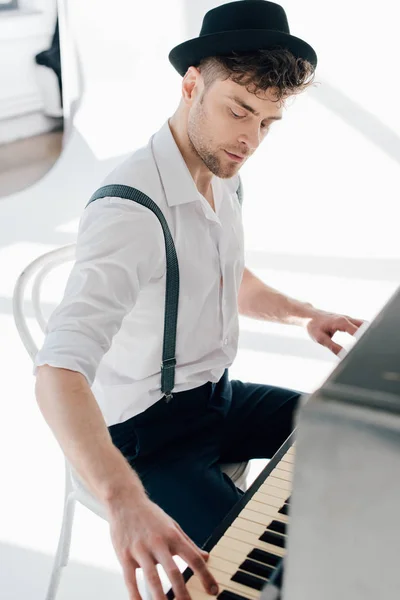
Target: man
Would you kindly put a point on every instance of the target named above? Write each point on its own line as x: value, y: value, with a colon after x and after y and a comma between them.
x: 156, y: 468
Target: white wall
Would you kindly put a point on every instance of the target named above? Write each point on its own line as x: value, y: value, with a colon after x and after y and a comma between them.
x: 321, y: 195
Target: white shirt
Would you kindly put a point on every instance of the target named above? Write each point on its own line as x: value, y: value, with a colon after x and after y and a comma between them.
x: 109, y: 325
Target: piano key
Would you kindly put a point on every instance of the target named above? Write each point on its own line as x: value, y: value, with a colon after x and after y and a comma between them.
x: 227, y: 595
x: 264, y: 509
x: 245, y: 536
x: 281, y: 474
x: 286, y: 466
x: 276, y: 539
x: 251, y: 515
x: 257, y: 528
x: 289, y: 464
x: 271, y: 490
x: 277, y: 526
x: 265, y: 518
x: 284, y: 510
x: 196, y: 594
x: 224, y: 582
x: 215, y: 563
x: 268, y: 499
x: 288, y: 457
x: 274, y: 587
x: 228, y: 554
x: 265, y: 557
x: 245, y: 546
x: 222, y: 564
x: 279, y: 483
x: 246, y: 525
x: 249, y: 580
x: 256, y: 568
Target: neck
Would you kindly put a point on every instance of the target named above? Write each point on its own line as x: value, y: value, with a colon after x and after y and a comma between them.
x: 201, y: 175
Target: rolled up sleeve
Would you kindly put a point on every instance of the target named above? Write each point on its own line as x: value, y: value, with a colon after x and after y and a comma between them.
x: 120, y: 247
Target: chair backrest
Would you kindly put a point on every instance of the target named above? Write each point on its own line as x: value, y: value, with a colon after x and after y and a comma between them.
x: 36, y: 272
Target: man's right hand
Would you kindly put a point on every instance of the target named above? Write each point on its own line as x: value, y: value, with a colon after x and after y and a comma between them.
x: 143, y: 535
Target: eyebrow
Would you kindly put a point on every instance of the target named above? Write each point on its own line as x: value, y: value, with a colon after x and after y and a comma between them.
x: 250, y: 108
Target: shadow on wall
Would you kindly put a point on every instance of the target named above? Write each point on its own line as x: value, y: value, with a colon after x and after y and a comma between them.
x: 356, y: 116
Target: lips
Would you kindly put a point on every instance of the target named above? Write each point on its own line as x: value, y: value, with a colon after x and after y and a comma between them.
x: 234, y: 156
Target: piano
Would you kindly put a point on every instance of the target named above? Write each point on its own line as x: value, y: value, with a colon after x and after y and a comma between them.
x: 328, y: 501
x: 249, y: 544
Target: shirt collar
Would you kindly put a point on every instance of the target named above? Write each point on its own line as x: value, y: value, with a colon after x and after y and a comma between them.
x: 176, y: 178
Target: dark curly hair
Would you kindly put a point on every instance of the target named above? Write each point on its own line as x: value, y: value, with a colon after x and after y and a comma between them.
x: 274, y: 68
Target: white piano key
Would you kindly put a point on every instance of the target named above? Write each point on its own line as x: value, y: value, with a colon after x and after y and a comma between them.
x: 285, y: 466
x: 280, y: 483
x: 263, y: 509
x: 224, y: 582
x: 272, y: 490
x: 229, y: 554
x: 246, y: 525
x: 281, y: 474
x: 252, y: 541
x: 268, y: 499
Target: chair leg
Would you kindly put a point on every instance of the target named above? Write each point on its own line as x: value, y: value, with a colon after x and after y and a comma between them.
x: 63, y: 548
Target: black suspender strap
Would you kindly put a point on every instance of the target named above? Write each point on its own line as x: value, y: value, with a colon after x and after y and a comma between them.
x: 172, y: 278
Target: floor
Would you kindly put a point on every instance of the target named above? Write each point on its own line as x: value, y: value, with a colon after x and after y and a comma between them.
x: 26, y: 161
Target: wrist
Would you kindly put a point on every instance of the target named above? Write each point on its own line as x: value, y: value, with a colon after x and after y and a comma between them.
x: 118, y: 496
x: 124, y: 486
x: 301, y: 313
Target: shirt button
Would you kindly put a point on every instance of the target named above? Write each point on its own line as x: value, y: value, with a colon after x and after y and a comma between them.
x: 225, y: 341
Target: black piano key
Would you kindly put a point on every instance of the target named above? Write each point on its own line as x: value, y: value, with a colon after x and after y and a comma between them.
x: 284, y: 510
x: 251, y: 566
x: 227, y: 595
x: 288, y: 500
x: 273, y: 538
x: 277, y: 526
x: 249, y: 580
x: 265, y: 557
x: 276, y: 578
x: 272, y: 591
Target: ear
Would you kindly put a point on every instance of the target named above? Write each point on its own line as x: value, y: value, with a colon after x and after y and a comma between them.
x: 190, y: 85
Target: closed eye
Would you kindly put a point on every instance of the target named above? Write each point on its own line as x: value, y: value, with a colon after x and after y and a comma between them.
x: 241, y: 116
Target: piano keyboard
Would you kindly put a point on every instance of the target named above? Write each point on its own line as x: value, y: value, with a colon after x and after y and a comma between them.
x: 251, y: 547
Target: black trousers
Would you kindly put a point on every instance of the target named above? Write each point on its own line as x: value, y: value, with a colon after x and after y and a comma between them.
x: 176, y: 448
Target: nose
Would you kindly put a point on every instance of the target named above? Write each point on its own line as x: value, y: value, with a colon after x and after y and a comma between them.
x: 251, y: 138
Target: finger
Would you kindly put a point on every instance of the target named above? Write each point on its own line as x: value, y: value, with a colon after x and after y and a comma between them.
x: 197, y: 563
x: 174, y: 575
x: 147, y: 562
x: 356, y: 322
x: 347, y: 326
x: 326, y: 341
x: 129, y: 572
x: 204, y: 552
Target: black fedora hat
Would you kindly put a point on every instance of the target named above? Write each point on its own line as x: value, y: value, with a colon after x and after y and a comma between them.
x: 240, y: 26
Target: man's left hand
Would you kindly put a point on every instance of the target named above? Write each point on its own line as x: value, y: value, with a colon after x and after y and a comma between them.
x: 323, y: 326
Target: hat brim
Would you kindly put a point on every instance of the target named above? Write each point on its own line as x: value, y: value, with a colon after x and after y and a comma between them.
x: 191, y: 52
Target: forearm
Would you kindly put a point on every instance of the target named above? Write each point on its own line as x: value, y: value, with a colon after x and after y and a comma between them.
x: 72, y: 413
x: 259, y: 301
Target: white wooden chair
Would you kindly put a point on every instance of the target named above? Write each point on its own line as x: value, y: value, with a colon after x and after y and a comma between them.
x: 75, y: 491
